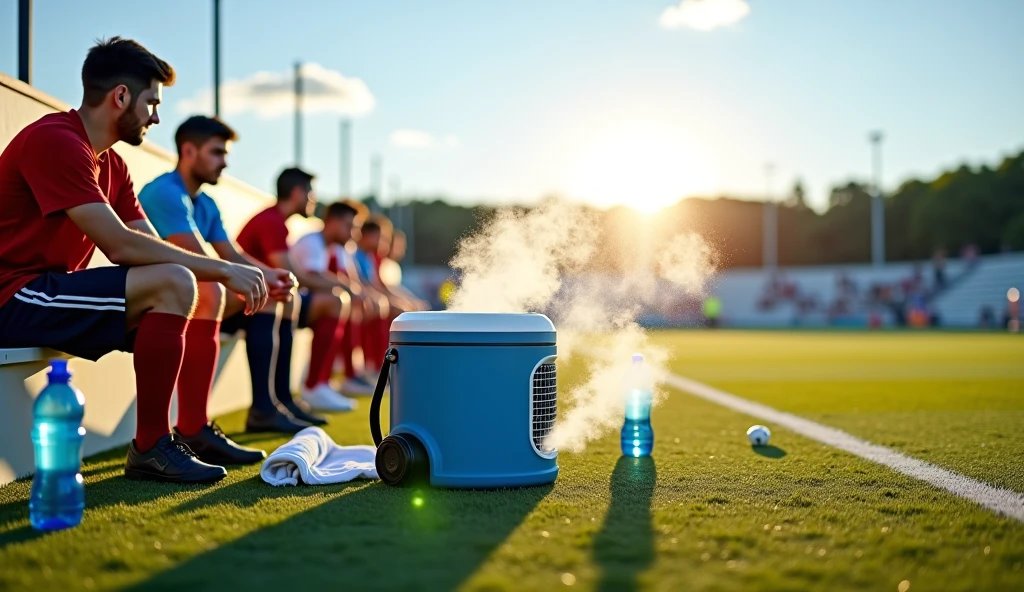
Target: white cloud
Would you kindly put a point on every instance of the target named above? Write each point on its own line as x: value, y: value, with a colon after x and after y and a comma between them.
x: 412, y: 138
x: 272, y: 94
x: 704, y: 15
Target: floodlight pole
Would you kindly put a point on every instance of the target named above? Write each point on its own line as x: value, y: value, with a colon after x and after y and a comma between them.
x: 25, y: 41
x: 877, y: 203
x: 298, y: 114
x: 216, y: 58
x: 345, y: 173
x: 770, y: 222
x: 376, y: 170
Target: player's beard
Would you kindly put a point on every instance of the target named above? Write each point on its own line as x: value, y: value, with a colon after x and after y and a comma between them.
x: 207, y: 177
x: 130, y: 128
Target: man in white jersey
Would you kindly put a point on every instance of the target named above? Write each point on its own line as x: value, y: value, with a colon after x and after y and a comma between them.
x: 323, y: 253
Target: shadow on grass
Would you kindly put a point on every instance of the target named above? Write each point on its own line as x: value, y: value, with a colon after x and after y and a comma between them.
x: 769, y: 451
x: 625, y: 545
x: 363, y: 537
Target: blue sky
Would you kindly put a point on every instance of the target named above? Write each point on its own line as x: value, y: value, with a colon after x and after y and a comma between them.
x: 516, y: 95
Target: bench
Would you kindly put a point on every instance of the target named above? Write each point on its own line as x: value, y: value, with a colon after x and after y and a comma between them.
x: 109, y: 388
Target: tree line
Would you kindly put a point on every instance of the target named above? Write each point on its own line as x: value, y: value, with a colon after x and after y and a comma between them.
x: 981, y: 207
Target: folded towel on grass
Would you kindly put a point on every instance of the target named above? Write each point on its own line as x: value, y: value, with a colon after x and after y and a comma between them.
x: 312, y: 458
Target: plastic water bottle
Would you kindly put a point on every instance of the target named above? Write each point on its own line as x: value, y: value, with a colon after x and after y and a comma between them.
x: 58, y: 492
x: 637, y: 437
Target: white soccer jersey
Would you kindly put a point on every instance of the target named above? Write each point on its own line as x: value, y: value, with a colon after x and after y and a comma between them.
x: 310, y: 253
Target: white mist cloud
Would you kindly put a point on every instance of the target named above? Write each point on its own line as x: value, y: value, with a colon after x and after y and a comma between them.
x: 536, y: 261
x: 272, y: 94
x: 704, y: 15
x: 410, y: 138
x: 413, y: 138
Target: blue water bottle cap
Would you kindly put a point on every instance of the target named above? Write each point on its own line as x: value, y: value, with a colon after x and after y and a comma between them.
x: 59, y: 371
x: 638, y: 358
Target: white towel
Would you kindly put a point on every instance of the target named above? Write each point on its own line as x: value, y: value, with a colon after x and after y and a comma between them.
x: 311, y: 457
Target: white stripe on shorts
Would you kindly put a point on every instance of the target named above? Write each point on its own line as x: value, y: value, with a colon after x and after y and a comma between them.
x: 28, y: 292
x: 79, y: 305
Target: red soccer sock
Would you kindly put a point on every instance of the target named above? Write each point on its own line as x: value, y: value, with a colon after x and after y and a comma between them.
x: 202, y: 348
x: 324, y: 349
x: 348, y: 344
x: 159, y: 349
x: 372, y: 356
x: 385, y: 336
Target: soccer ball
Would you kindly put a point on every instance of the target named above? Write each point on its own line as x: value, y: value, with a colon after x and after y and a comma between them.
x: 759, y: 435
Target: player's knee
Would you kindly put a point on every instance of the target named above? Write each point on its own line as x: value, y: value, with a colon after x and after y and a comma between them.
x: 177, y: 288
x: 331, y: 302
x: 210, y: 300
x: 346, y: 305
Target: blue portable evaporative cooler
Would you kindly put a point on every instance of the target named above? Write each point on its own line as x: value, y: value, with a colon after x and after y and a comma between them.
x: 473, y: 397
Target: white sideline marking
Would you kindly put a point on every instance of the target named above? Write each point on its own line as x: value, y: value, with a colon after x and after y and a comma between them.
x: 1001, y: 501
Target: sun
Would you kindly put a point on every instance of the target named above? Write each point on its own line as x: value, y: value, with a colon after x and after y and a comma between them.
x: 646, y: 167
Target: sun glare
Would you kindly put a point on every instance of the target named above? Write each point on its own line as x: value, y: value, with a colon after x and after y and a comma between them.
x: 645, y: 167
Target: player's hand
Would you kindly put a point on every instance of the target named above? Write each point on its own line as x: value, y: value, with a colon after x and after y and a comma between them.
x: 282, y: 284
x: 248, y: 282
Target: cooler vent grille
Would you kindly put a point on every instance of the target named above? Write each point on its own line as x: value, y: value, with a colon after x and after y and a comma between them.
x: 544, y: 406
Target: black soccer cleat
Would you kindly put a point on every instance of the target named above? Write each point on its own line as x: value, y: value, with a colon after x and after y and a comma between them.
x: 170, y: 461
x: 275, y: 421
x: 299, y: 410
x: 212, y: 446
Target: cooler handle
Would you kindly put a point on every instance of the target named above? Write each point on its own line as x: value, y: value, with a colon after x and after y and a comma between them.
x: 390, y: 357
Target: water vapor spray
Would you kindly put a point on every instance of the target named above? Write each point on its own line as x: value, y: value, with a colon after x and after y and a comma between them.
x: 544, y: 260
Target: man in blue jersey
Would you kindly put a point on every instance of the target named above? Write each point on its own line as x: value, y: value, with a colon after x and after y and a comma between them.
x: 189, y: 218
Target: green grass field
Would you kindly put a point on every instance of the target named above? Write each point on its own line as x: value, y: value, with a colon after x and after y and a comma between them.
x: 706, y: 512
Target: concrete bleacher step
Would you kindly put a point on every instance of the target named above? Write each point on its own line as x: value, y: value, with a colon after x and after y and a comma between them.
x: 988, y: 285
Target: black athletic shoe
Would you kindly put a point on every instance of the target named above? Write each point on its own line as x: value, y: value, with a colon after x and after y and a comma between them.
x: 299, y: 410
x: 275, y: 421
x: 212, y: 446
x: 171, y: 461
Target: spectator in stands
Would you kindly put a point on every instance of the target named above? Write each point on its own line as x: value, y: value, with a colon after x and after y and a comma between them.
x: 939, y: 266
x: 324, y: 307
x: 65, y: 192
x: 188, y: 218
x: 712, y: 311
x: 320, y: 259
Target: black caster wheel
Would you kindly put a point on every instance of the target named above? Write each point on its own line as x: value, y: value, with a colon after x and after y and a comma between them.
x: 402, y: 460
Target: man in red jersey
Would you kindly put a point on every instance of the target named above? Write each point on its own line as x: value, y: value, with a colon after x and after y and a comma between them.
x: 324, y: 306
x: 64, y: 192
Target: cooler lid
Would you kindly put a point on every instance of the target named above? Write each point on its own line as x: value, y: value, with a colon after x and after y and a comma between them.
x: 452, y: 328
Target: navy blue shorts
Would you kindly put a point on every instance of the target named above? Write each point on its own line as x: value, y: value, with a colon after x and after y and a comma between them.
x: 307, y: 303
x: 240, y: 320
x: 81, y: 313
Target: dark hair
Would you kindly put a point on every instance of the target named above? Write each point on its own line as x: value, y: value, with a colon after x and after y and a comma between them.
x: 378, y: 223
x: 340, y: 209
x: 291, y: 178
x: 121, y: 61
x: 198, y: 129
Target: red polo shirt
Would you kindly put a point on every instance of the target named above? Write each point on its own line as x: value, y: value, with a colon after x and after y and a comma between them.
x: 266, y: 233
x: 47, y: 168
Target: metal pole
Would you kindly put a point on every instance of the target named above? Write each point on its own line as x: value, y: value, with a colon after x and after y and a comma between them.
x: 376, y: 166
x: 25, y: 41
x: 410, y: 233
x: 771, y: 222
x: 216, y: 57
x: 877, y: 203
x: 298, y: 114
x: 346, y: 158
